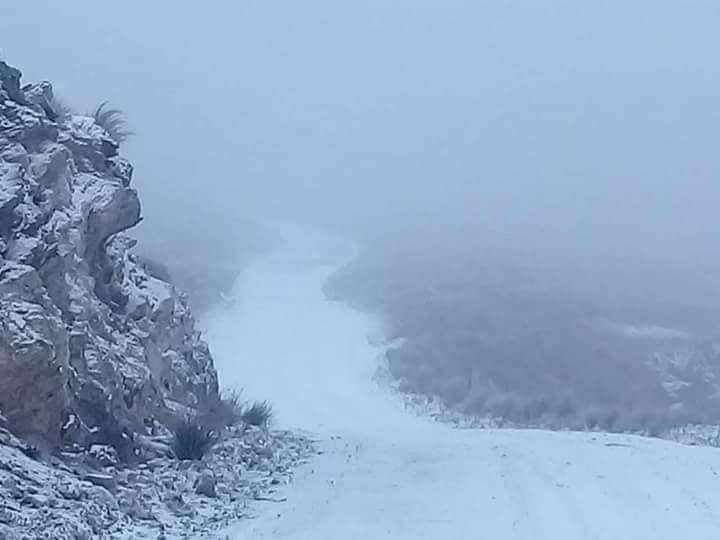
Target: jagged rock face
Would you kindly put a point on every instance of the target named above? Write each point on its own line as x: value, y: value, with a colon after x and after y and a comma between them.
x: 92, y: 347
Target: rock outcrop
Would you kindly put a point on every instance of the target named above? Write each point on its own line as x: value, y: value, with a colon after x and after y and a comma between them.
x: 93, y: 348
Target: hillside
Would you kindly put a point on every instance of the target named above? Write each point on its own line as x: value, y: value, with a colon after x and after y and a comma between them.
x: 511, y: 342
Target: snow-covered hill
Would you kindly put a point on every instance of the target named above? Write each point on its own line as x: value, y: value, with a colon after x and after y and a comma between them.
x: 386, y: 473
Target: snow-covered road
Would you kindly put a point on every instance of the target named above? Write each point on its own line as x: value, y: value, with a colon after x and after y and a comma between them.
x: 385, y: 473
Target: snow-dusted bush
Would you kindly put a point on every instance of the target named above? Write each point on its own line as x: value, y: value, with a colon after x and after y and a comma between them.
x: 192, y: 440
x: 258, y: 414
x: 225, y: 411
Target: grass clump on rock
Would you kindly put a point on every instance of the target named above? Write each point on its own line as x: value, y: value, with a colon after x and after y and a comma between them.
x: 224, y: 411
x: 192, y: 440
x: 113, y: 121
x: 258, y: 414
x: 194, y: 436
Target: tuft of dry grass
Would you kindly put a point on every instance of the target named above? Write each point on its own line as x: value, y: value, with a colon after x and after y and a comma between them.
x: 259, y: 413
x: 225, y: 411
x: 192, y: 440
x: 112, y: 120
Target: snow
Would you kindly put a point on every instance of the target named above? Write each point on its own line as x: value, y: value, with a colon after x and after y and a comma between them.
x: 386, y: 473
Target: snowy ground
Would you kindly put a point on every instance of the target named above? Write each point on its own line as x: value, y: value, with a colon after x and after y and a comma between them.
x: 386, y: 473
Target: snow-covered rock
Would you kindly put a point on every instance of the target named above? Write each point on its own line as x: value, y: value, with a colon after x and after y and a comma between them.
x: 93, y: 349
x: 163, y: 498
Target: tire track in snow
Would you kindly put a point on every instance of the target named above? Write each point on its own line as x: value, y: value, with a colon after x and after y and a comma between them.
x: 543, y: 495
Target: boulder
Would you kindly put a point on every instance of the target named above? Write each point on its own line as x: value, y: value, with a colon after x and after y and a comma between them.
x: 205, y: 485
x: 106, y: 481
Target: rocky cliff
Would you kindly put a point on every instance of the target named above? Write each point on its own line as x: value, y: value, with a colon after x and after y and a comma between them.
x: 93, y: 349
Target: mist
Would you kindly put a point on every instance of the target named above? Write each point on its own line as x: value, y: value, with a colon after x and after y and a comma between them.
x: 559, y: 130
x: 362, y: 224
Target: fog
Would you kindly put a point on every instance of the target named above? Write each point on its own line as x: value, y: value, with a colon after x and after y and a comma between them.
x: 569, y: 129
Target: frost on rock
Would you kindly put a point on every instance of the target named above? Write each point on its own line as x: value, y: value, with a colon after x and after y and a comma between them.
x: 89, y: 495
x: 93, y: 350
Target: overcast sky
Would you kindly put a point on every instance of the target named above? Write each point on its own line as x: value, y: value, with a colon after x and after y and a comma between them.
x: 588, y: 122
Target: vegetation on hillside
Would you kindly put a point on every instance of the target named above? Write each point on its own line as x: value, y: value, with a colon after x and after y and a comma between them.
x: 531, y: 346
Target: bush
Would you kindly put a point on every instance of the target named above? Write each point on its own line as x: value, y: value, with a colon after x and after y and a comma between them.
x: 113, y: 121
x: 192, y: 440
x: 225, y: 411
x: 258, y: 414
x: 231, y: 407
